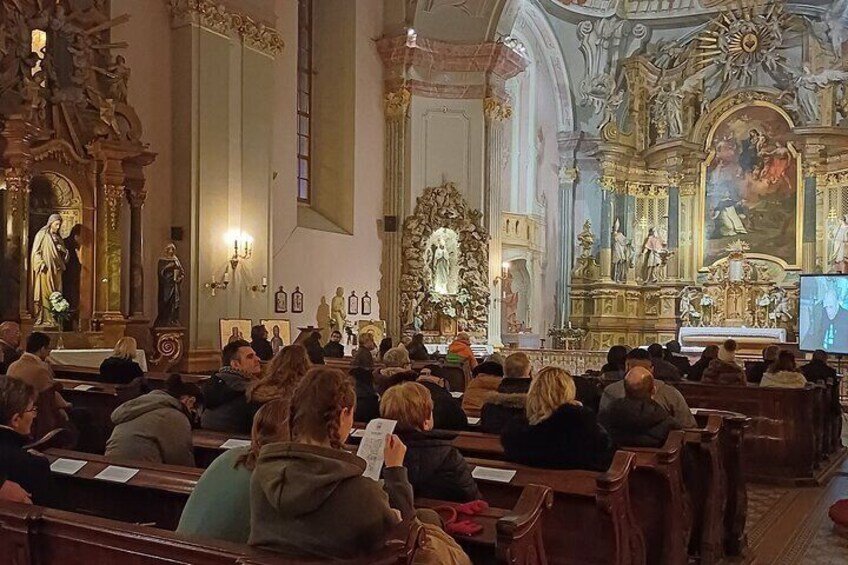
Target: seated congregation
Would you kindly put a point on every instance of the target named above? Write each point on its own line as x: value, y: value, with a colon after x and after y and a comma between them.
x: 296, y: 485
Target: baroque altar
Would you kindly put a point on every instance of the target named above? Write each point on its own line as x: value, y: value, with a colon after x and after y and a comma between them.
x: 73, y: 161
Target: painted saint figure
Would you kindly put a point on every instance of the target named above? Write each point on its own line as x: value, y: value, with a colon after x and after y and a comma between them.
x: 49, y: 260
x: 171, y: 274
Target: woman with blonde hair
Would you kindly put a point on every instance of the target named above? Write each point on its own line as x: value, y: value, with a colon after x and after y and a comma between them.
x: 121, y: 368
x: 219, y: 505
x: 556, y: 431
x: 281, y: 376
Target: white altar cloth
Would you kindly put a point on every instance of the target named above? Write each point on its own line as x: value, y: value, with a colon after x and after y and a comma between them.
x: 442, y: 349
x: 685, y: 335
x: 91, y: 358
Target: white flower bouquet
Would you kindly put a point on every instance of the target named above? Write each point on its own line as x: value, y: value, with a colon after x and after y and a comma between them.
x: 60, y: 308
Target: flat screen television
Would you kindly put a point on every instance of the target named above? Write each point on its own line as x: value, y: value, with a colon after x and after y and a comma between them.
x: 823, y: 313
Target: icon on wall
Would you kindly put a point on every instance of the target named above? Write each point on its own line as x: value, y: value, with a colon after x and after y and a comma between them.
x: 366, y: 304
x: 353, y: 303
x: 281, y: 301
x: 279, y: 333
x: 231, y: 330
x: 297, y: 300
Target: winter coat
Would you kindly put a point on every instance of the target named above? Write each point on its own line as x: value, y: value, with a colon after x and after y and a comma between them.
x: 665, y: 371
x: 500, y: 409
x: 9, y: 354
x: 219, y: 505
x: 818, y: 372
x: 755, y: 371
x: 436, y: 468
x: 226, y: 408
x: 696, y: 371
x: 447, y: 412
x: 312, y: 501
x: 418, y: 353
x: 569, y: 439
x: 387, y: 376
x: 681, y: 363
x: 334, y: 350
x: 367, y: 401
x: 31, y: 472
x: 119, y: 371
x: 263, y: 349
x: 460, y: 352
x: 637, y: 423
x: 478, y: 392
x: 666, y: 396
x: 723, y: 373
x: 784, y: 379
x: 152, y: 428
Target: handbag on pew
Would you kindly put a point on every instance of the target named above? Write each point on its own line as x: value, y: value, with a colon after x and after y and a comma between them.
x: 436, y: 547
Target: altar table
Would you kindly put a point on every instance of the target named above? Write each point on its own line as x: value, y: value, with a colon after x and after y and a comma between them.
x: 442, y: 349
x: 748, y: 338
x: 89, y: 357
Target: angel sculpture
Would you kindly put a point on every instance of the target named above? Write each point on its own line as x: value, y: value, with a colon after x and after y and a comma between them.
x: 806, y: 89
x: 668, y: 101
x: 688, y: 313
x: 832, y: 29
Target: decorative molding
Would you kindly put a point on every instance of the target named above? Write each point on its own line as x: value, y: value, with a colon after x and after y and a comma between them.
x: 567, y: 174
x: 494, y: 109
x: 396, y: 103
x: 218, y: 18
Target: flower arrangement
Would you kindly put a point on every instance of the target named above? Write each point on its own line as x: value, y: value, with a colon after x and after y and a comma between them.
x: 60, y: 308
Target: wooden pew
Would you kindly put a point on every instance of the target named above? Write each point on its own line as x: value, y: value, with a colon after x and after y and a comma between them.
x: 157, y: 495
x: 704, y: 477
x: 207, y: 445
x: 32, y: 535
x: 154, y: 379
x: 98, y: 402
x: 592, y: 521
x: 780, y: 443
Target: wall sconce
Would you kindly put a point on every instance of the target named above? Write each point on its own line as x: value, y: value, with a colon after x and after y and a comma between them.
x: 215, y: 285
x: 260, y: 287
x: 242, y: 249
x: 504, y: 273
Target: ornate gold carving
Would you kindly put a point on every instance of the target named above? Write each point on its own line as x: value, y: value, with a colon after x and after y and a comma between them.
x: 396, y: 102
x: 113, y: 194
x: 494, y: 109
x: 217, y: 17
x: 17, y: 185
x: 567, y: 174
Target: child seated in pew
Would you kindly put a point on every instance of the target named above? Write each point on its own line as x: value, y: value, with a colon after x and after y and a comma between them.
x: 308, y: 497
x: 156, y: 427
x: 556, y: 432
x: 219, y: 505
x: 436, y: 468
x: 19, y: 467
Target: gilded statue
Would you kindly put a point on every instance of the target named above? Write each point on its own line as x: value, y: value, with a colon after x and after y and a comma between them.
x: 49, y: 260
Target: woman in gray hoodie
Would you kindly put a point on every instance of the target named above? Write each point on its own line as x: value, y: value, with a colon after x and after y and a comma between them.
x: 308, y: 497
x: 156, y: 427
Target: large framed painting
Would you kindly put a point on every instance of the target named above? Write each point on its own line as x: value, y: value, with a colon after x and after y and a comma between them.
x: 232, y: 330
x: 750, y: 185
x: 279, y: 333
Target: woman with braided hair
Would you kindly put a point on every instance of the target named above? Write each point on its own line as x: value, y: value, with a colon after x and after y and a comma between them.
x: 308, y: 497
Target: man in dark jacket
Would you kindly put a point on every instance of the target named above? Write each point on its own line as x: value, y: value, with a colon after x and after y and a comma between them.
x: 436, y: 468
x: 674, y: 356
x: 17, y: 412
x: 754, y: 371
x: 334, y: 347
x: 447, y: 411
x: 226, y: 406
x: 260, y: 344
x: 636, y: 420
x: 663, y: 370
x: 817, y: 370
x: 10, y: 343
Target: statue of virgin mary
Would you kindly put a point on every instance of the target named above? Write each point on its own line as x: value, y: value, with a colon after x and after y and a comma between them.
x: 49, y: 260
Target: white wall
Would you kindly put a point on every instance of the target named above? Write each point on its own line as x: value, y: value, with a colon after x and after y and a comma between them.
x: 319, y: 261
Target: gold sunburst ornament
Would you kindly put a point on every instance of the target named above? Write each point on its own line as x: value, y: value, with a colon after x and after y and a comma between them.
x: 742, y: 39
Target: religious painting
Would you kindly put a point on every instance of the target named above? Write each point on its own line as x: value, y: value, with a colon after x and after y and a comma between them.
x: 377, y: 329
x: 297, y: 300
x: 279, y: 333
x: 366, y: 304
x: 750, y: 186
x: 353, y: 303
x: 233, y: 330
x: 281, y: 301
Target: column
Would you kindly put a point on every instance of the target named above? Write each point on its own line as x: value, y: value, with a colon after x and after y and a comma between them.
x: 108, y: 292
x: 494, y: 112
x: 567, y: 178
x: 674, y: 228
x: 396, y: 105
x: 16, y: 205
x: 605, y: 235
x: 136, y: 196
x: 808, y: 249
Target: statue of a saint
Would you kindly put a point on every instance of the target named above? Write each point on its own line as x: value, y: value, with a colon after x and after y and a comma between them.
x: 441, y: 268
x: 652, y: 251
x: 839, y: 255
x: 619, y: 253
x: 171, y: 274
x: 49, y: 260
x: 338, y: 312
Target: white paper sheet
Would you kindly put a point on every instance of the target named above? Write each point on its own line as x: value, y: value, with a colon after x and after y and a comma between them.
x: 116, y: 474
x: 358, y: 433
x: 233, y: 442
x: 84, y: 387
x: 492, y: 474
x: 372, y: 445
x: 456, y: 394
x: 473, y: 421
x: 67, y: 466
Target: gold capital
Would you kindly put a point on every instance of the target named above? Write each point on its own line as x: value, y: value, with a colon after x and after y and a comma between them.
x: 396, y: 102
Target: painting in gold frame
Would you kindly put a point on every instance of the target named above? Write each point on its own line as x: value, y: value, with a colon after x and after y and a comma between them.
x: 232, y: 330
x: 279, y: 333
x: 751, y: 186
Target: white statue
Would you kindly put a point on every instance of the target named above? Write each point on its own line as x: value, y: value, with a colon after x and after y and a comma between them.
x: 688, y: 313
x: 338, y: 312
x: 441, y: 268
x: 839, y: 255
x: 49, y: 260
x: 780, y: 310
x: 620, y: 253
x: 652, y: 256
x: 807, y: 87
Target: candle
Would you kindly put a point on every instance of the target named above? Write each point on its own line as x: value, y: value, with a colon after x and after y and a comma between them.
x: 235, y: 246
x: 213, y: 279
x: 226, y: 276
x: 569, y: 325
x: 264, y: 281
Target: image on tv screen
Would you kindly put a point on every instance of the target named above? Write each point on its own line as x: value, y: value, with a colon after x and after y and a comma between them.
x: 823, y: 313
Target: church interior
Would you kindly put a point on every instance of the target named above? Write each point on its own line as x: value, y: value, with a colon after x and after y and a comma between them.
x: 579, y: 266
